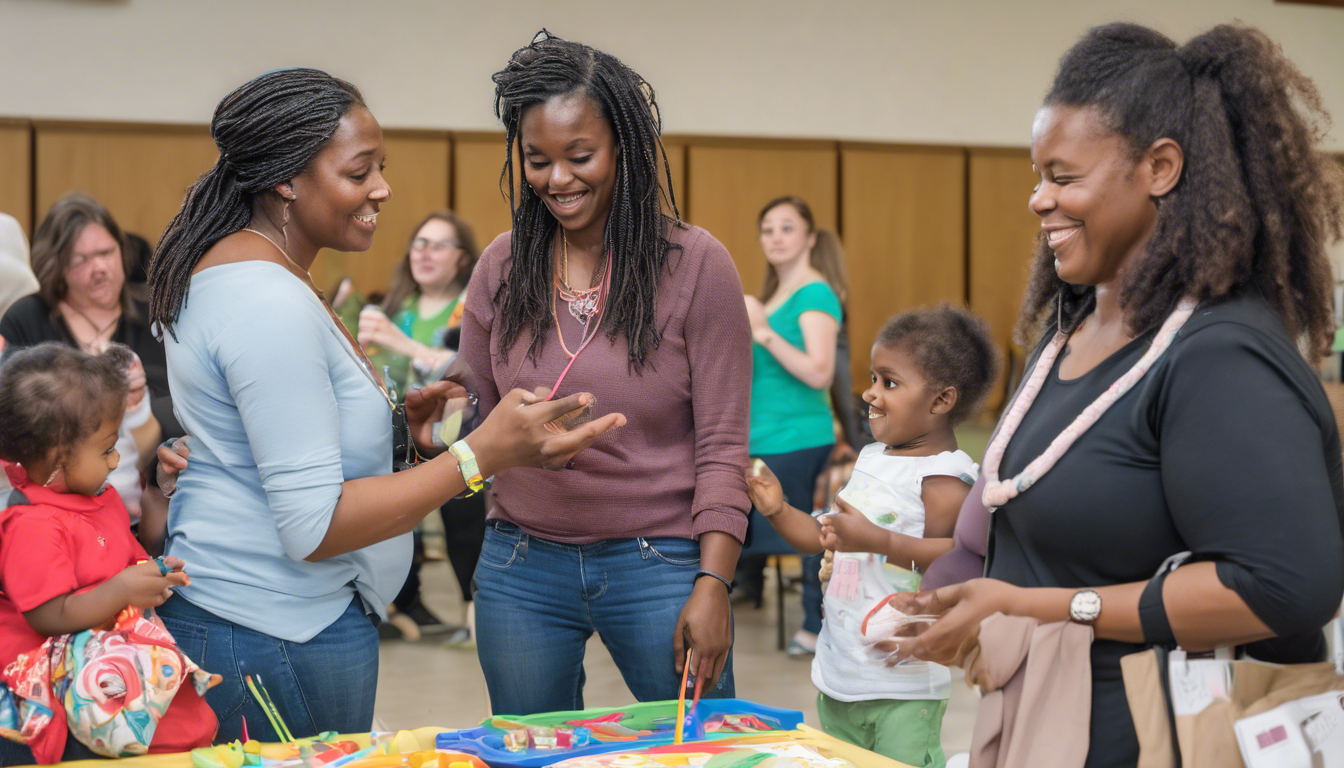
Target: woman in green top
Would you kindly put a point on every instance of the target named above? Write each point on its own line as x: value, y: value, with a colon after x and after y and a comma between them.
x: 414, y: 331
x: 409, y: 332
x: 795, y: 324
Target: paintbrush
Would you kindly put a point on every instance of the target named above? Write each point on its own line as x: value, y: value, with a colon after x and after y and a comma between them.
x: 681, y: 700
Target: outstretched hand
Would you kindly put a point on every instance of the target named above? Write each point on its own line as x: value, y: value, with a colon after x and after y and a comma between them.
x: 425, y: 408
x: 846, y: 529
x: 766, y: 493
x: 961, y: 608
x: 515, y: 433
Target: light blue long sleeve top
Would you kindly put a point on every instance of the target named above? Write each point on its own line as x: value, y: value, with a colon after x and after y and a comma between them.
x: 280, y: 414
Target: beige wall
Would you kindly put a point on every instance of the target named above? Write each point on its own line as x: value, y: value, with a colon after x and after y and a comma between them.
x: 952, y: 72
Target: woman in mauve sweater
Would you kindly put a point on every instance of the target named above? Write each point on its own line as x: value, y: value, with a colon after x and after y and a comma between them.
x: 597, y: 290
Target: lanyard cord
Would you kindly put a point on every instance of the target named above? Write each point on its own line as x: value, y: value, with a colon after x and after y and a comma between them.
x: 590, y: 330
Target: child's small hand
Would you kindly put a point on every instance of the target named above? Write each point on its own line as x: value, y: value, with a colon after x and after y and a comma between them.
x: 764, y: 489
x: 143, y: 586
x: 846, y: 529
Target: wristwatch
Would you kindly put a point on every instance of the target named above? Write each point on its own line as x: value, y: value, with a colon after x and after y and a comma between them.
x: 466, y: 462
x: 1085, y: 606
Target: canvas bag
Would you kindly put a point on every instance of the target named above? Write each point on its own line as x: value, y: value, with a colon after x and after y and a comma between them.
x: 1185, y: 709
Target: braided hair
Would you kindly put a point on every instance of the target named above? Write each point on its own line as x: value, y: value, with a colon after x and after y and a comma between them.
x: 1256, y: 201
x: 636, y: 229
x: 267, y: 131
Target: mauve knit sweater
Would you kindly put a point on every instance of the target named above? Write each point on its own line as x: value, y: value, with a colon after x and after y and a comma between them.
x: 676, y: 468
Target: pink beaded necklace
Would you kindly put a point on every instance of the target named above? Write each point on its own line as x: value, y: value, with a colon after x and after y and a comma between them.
x: 999, y: 492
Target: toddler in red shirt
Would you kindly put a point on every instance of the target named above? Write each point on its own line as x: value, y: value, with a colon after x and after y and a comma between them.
x: 68, y: 559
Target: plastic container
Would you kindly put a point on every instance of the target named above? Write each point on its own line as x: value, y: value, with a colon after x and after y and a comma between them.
x: 639, y: 725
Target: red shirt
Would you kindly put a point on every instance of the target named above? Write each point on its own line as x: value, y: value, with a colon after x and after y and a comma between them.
x: 55, y: 544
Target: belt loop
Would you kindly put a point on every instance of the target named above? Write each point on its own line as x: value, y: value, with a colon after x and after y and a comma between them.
x: 523, y: 539
x: 643, y: 547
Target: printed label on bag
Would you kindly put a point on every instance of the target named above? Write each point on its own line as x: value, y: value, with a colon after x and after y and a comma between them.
x: 1197, y: 683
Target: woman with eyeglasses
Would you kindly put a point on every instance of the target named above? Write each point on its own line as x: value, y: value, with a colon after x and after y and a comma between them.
x: 414, y: 330
x: 418, y: 324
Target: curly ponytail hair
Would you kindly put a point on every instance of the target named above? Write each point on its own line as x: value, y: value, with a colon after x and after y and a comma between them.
x: 636, y: 227
x: 267, y: 131
x: 1256, y: 202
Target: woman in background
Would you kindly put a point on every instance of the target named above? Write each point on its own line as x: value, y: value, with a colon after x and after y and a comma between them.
x: 795, y: 324
x: 83, y: 301
x: 417, y: 329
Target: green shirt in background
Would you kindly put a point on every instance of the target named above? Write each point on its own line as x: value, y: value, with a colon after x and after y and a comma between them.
x: 426, y: 330
x: 786, y: 414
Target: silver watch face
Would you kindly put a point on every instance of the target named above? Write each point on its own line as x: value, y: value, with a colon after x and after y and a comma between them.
x: 1085, y: 605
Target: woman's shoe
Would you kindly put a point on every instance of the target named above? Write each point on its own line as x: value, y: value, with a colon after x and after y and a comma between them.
x: 802, y: 645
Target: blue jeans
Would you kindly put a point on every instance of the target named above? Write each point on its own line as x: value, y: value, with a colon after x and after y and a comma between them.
x: 325, y: 684
x: 797, y: 472
x: 538, y: 602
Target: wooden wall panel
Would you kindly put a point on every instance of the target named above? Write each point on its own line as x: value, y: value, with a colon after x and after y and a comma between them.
x: 904, y: 228
x: 16, y: 171
x: 1002, y: 235
x: 478, y: 159
x: 676, y: 148
x: 138, y: 172
x: 727, y: 182
x: 419, y: 166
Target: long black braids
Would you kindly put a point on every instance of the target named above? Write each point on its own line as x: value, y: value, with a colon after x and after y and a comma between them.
x: 267, y: 131
x: 637, y: 228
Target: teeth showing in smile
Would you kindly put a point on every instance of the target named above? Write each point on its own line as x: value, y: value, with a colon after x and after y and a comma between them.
x: 367, y: 218
x: 875, y: 415
x: 1057, y: 236
x: 569, y: 198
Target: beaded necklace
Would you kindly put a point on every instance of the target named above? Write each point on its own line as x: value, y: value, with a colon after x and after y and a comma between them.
x: 999, y: 492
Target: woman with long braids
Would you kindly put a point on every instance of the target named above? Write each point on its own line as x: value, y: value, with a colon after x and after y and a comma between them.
x: 294, y: 529
x: 1185, y: 211
x: 596, y: 290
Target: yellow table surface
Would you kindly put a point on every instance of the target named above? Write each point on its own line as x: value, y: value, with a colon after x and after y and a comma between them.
x: 860, y: 757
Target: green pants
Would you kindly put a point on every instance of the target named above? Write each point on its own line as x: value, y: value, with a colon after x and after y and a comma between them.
x: 908, y: 730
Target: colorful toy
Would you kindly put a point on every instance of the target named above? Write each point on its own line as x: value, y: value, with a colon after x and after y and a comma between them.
x: 777, y: 750
x: 612, y: 730
x: 327, y: 750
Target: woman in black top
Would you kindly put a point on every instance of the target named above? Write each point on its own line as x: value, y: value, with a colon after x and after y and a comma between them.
x: 83, y: 300
x: 1168, y: 173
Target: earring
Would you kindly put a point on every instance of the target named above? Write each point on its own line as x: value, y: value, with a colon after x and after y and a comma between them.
x: 52, y: 479
x: 284, y: 224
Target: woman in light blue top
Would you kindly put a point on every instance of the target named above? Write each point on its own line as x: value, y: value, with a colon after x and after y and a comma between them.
x: 295, y: 530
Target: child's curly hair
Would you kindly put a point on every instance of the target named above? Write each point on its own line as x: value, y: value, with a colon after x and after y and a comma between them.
x: 53, y: 396
x: 953, y: 348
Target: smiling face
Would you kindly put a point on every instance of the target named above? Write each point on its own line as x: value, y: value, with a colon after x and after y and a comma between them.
x: 94, y: 273
x: 1094, y: 198
x: 86, y: 467
x: 902, y: 404
x: 785, y: 238
x: 436, y: 256
x: 570, y: 154
x: 337, y: 196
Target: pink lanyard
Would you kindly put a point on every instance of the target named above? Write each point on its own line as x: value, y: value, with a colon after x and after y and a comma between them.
x: 1000, y: 492
x: 589, y: 331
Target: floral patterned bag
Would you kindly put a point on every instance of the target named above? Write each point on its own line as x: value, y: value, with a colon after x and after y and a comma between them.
x: 107, y: 687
